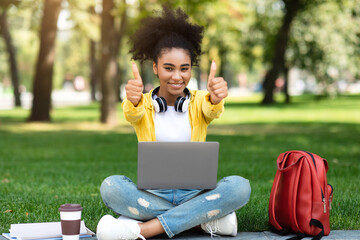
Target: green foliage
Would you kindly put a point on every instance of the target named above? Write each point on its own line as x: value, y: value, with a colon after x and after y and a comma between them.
x: 324, y: 40
x: 23, y: 20
x: 67, y: 61
x: 3, y: 62
x: 46, y: 165
x: 7, y: 3
x: 239, y: 35
x: 85, y: 22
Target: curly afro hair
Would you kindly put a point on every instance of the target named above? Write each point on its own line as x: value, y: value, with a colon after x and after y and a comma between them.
x: 160, y: 33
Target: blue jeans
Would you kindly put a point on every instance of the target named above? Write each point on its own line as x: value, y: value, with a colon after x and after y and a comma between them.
x: 177, y: 209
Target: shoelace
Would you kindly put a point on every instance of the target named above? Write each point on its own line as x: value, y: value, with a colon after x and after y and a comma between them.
x: 212, y: 228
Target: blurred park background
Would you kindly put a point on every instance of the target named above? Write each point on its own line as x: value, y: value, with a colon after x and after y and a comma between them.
x: 292, y: 68
x: 77, y: 51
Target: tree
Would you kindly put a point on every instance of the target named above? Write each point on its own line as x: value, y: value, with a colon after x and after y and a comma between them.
x: 323, y: 39
x: 325, y: 43
x: 4, y: 31
x: 80, y: 37
x: 108, y: 65
x: 221, y: 38
x: 291, y: 8
x: 93, y: 62
x: 120, y: 31
x: 42, y: 83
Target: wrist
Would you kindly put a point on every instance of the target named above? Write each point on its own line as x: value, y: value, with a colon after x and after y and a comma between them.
x: 214, y: 101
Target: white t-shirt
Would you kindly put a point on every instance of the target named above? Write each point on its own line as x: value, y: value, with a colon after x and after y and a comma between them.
x: 172, y: 126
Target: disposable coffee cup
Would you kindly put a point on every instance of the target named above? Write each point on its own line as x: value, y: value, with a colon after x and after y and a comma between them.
x: 70, y: 215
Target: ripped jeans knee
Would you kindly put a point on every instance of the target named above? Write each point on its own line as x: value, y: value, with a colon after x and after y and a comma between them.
x: 122, y: 196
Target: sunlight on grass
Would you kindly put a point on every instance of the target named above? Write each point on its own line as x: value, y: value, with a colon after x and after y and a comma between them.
x: 247, y: 110
x: 241, y: 116
x: 67, y: 126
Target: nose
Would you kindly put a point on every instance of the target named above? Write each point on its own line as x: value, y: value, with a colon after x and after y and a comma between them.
x: 177, y: 75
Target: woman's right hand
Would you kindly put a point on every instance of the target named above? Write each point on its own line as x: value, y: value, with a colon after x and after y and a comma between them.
x: 134, y: 87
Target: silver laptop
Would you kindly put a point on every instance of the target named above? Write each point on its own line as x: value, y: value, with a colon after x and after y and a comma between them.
x: 177, y: 165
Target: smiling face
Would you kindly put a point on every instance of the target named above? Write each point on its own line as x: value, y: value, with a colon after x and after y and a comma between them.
x: 174, y: 71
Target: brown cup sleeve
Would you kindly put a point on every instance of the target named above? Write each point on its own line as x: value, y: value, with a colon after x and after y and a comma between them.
x: 70, y: 227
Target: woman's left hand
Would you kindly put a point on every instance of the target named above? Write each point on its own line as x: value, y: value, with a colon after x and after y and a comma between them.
x: 216, y: 86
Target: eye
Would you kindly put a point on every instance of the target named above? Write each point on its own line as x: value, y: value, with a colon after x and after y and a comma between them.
x: 168, y: 69
x: 184, y: 69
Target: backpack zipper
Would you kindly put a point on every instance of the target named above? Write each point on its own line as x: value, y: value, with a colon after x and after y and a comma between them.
x: 322, y: 193
x: 312, y: 156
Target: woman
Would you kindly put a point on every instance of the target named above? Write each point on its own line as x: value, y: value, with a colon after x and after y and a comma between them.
x: 171, y: 112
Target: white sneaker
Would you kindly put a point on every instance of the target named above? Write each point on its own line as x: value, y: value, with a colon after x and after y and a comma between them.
x: 226, y: 225
x: 110, y: 228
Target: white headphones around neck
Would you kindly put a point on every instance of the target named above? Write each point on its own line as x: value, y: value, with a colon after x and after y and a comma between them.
x: 181, y: 103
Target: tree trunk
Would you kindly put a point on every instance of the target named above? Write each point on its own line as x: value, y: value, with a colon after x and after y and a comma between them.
x: 93, y: 64
x: 286, y: 85
x: 108, y: 65
x: 42, y: 84
x: 119, y: 33
x: 4, y: 31
x: 278, y: 60
x: 93, y: 70
x: 198, y: 76
x: 222, y: 72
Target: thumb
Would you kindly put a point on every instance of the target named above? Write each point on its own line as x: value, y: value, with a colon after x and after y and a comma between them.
x: 212, y: 71
x: 135, y: 71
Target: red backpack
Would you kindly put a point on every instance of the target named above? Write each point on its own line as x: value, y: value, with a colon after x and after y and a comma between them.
x: 300, y: 198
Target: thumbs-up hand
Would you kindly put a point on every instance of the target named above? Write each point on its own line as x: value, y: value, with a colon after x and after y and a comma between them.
x: 216, y: 86
x: 134, y: 88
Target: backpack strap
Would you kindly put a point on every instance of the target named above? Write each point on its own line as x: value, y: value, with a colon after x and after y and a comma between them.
x: 272, y: 217
x: 314, y: 222
x: 282, y: 232
x: 273, y: 220
x: 318, y: 224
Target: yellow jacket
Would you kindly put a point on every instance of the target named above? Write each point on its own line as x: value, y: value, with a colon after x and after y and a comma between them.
x: 201, y: 113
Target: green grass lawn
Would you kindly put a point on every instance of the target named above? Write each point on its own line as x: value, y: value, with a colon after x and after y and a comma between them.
x: 46, y: 165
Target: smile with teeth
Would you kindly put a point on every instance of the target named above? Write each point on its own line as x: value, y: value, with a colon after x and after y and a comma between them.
x: 176, y: 85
